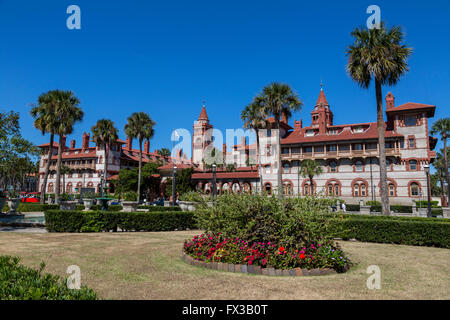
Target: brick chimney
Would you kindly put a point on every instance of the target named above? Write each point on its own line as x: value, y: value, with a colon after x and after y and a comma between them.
x: 85, y: 144
x: 390, y: 101
x: 224, y: 149
x: 62, y: 141
x: 298, y: 125
x: 147, y: 146
x: 129, y: 144
x: 72, y: 144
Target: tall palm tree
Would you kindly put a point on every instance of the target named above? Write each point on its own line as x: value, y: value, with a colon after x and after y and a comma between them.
x: 309, y: 169
x: 255, y: 117
x: 439, y: 164
x: 442, y: 127
x: 140, y: 126
x: 278, y: 99
x: 104, y: 133
x: 67, y: 113
x: 46, y: 120
x: 378, y: 55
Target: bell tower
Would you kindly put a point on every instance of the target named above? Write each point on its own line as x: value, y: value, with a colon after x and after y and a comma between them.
x: 321, y: 116
x: 202, y: 137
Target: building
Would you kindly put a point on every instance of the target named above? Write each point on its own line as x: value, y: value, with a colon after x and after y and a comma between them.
x: 348, y: 155
x: 87, y: 163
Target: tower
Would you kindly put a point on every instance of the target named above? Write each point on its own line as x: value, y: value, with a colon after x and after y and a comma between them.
x: 321, y: 116
x: 202, y: 137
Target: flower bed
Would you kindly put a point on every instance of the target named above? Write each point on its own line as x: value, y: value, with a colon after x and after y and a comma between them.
x: 212, y: 250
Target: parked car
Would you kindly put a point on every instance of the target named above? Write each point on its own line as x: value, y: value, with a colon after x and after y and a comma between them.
x: 30, y: 197
x: 159, y: 202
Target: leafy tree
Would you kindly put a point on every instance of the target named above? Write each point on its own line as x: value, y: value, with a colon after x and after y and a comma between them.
x: 378, y: 55
x: 104, y: 133
x: 309, y: 169
x: 164, y: 152
x: 439, y: 175
x: 140, y: 126
x: 183, y: 182
x: 442, y: 127
x: 255, y: 117
x: 278, y: 99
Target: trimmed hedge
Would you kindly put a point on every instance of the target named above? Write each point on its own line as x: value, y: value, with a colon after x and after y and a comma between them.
x: 18, y: 282
x: 33, y: 207
x: 160, y: 208
x: 399, y: 230
x: 98, y: 221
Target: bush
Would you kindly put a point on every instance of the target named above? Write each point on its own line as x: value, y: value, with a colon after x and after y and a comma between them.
x: 159, y: 208
x: 424, y: 203
x: 373, y: 203
x: 130, y: 196
x: 399, y: 230
x: 192, y: 196
x: 98, y: 207
x: 18, y: 282
x: 98, y: 221
x: 33, y: 207
x: 352, y: 207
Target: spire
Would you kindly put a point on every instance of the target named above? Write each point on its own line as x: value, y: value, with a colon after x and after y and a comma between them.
x: 203, y: 114
x: 322, y: 99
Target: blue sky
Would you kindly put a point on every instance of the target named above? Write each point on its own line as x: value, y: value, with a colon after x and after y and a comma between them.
x: 165, y: 57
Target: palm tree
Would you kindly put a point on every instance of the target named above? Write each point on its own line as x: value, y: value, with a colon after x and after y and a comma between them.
x: 378, y: 55
x: 439, y: 164
x: 65, y: 170
x: 442, y: 127
x: 164, y: 152
x: 67, y: 114
x: 140, y: 126
x: 104, y: 133
x: 255, y: 117
x: 309, y: 169
x: 278, y: 99
x: 45, y: 120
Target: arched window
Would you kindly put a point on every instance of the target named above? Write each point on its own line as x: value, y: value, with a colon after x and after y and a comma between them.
x: 307, y: 189
x: 50, y: 187
x: 333, y: 188
x: 414, y: 189
x: 412, y: 165
x: 286, y: 168
x: 236, y: 187
x: 287, y: 188
x: 268, y: 188
x: 359, y: 189
x: 359, y: 165
x: 69, y: 188
x: 333, y: 166
x: 391, y: 190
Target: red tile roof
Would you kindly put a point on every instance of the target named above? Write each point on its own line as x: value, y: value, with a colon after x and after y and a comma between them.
x: 226, y: 175
x: 413, y: 107
x: 203, y: 114
x: 55, y: 144
x: 71, y: 155
x: 322, y: 99
x: 169, y: 166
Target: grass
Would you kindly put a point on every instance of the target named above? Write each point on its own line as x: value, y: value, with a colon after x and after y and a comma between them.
x: 145, y: 265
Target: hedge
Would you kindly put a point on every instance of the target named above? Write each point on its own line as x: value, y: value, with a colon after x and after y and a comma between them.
x: 160, y: 208
x: 399, y: 230
x: 18, y: 282
x: 98, y: 221
x: 33, y: 207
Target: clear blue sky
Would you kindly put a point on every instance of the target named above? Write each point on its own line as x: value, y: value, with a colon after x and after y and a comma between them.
x: 165, y: 57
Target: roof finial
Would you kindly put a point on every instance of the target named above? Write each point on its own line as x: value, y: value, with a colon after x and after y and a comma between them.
x: 203, y: 102
x: 321, y: 85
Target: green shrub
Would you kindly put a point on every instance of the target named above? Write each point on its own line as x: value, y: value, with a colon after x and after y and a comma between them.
x: 33, y: 207
x: 352, y: 207
x: 424, y: 203
x: 192, y: 196
x: 18, y: 282
x: 373, y: 203
x: 401, y: 208
x: 292, y: 222
x: 400, y: 230
x: 130, y: 196
x: 97, y: 207
x: 97, y: 221
x: 159, y: 208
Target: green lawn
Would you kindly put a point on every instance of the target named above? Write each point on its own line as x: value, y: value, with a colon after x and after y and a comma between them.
x: 148, y: 266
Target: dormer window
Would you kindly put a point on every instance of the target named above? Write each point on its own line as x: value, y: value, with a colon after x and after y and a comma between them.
x: 358, y: 130
x: 309, y: 133
x: 333, y: 132
x: 411, y: 121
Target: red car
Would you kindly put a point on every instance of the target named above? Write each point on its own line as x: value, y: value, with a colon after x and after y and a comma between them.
x: 30, y: 197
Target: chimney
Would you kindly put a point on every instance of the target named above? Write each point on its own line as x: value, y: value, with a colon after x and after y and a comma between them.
x: 147, y: 146
x: 72, y: 144
x: 224, y: 149
x: 179, y: 153
x: 243, y: 141
x: 297, y: 125
x: 62, y: 141
x: 129, y: 143
x: 85, y: 144
x: 390, y: 101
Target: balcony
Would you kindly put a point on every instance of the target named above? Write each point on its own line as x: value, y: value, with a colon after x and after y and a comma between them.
x: 340, y: 154
x: 79, y: 166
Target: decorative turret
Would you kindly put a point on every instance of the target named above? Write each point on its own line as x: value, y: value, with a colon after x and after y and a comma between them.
x: 321, y: 116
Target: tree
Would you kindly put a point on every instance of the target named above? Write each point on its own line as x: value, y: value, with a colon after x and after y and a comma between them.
x: 439, y: 164
x: 140, y: 126
x: 104, y: 133
x: 378, y: 55
x: 183, y: 182
x: 278, y: 99
x: 442, y: 127
x: 67, y: 114
x: 309, y: 169
x: 65, y: 170
x: 46, y: 120
x: 164, y: 152
x: 255, y: 118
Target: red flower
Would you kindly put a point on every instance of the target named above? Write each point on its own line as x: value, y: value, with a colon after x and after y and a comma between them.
x: 302, y: 256
x: 281, y: 249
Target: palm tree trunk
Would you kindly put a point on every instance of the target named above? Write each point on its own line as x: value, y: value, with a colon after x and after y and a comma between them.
x: 259, y: 160
x: 279, y: 178
x: 140, y: 169
x: 64, y: 183
x: 106, y: 165
x: 312, y: 185
x: 382, y: 146
x: 47, y: 169
x: 447, y: 176
x: 58, y: 171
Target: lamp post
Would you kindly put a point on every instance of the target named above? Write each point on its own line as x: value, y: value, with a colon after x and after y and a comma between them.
x: 214, y: 181
x: 173, y: 184
x: 101, y: 184
x: 427, y: 172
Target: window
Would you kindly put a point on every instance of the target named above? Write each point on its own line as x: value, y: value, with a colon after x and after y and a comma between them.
x: 333, y: 189
x: 412, y: 164
x: 357, y: 146
x: 285, y: 151
x: 306, y: 189
x: 286, y: 168
x: 358, y: 129
x: 267, y: 169
x: 359, y: 189
x: 359, y: 166
x: 389, y: 164
x: 411, y: 143
x: 295, y: 150
x: 414, y: 189
x: 308, y: 149
x: 309, y: 133
x: 333, y: 167
x: 333, y: 132
x: 269, y: 132
x: 287, y: 187
x: 356, y: 190
x: 332, y: 147
x: 411, y: 121
x: 268, y: 150
x: 391, y: 189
